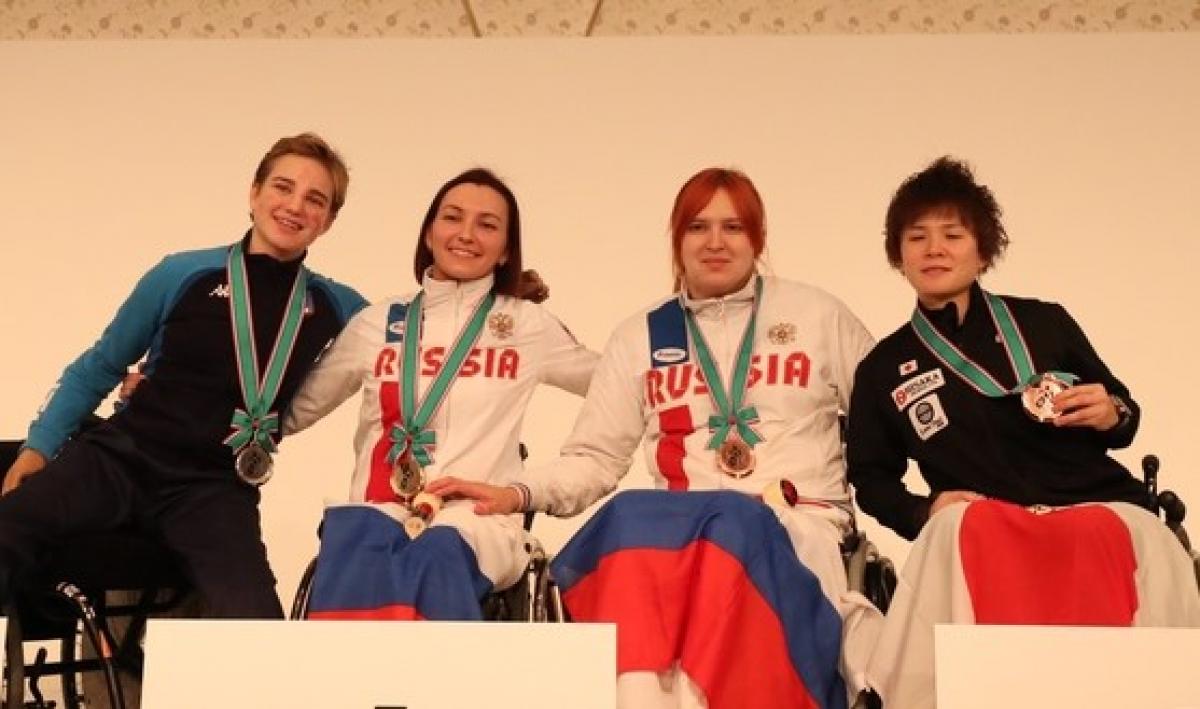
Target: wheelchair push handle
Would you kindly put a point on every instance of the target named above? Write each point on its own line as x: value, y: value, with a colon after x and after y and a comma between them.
x: 1150, y: 467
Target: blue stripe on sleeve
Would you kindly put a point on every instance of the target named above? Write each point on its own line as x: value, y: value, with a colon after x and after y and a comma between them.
x: 136, y: 329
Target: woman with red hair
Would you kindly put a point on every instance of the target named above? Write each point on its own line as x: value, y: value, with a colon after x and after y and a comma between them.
x: 735, y: 383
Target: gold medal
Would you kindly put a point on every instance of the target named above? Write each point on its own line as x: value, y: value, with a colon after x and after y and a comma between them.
x: 1038, y: 397
x: 408, y: 478
x: 254, y: 465
x: 735, y: 458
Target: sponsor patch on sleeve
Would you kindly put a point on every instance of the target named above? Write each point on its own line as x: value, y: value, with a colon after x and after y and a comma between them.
x: 928, y: 417
x: 920, y: 385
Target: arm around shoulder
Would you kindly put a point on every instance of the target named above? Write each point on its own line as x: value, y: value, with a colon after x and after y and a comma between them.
x: 337, y: 375
x: 568, y: 364
x: 607, y: 432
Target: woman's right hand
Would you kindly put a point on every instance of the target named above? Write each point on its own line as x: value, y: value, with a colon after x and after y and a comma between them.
x: 27, y: 463
x: 128, y: 384
x: 489, y: 499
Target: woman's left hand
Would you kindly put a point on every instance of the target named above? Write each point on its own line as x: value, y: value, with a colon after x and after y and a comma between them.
x: 1086, y: 405
x: 489, y: 499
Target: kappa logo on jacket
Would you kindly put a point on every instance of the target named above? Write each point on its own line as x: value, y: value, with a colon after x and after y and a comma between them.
x: 221, y: 290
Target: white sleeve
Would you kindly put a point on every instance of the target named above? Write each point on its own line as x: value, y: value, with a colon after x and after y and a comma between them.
x: 853, y: 343
x: 336, y: 376
x: 597, y: 453
x: 568, y: 364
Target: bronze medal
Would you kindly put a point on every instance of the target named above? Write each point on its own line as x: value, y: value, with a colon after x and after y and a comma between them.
x: 254, y: 465
x: 735, y: 458
x: 1038, y: 397
x: 408, y: 478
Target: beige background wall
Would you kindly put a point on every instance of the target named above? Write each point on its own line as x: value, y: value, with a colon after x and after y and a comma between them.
x: 113, y: 153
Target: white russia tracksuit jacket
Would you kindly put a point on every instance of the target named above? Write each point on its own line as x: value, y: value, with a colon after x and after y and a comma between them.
x: 478, y: 425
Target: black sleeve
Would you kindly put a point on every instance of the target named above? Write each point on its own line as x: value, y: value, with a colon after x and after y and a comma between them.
x: 1085, y: 363
x: 876, y: 461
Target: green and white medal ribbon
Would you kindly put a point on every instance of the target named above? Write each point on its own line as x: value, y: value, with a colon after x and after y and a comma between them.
x: 733, y: 437
x: 410, y: 438
x: 1036, y: 389
x: 253, y: 425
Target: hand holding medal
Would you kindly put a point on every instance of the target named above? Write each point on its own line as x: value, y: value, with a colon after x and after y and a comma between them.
x: 1090, y: 405
x: 1039, y: 395
x: 1039, y: 392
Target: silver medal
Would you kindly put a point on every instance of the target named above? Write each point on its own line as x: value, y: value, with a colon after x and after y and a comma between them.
x: 254, y: 465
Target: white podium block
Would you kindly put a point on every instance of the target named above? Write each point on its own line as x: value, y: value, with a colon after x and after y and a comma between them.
x: 378, y: 665
x: 1005, y: 666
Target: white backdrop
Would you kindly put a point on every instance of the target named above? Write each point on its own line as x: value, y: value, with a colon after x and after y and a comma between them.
x: 114, y: 153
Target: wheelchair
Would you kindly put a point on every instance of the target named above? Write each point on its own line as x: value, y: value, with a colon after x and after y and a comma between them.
x: 65, y: 601
x: 1167, y: 506
x: 874, y: 576
x: 533, y: 599
x: 867, y: 571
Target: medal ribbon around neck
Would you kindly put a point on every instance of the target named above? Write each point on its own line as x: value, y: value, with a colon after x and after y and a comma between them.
x: 730, y: 414
x: 256, y: 422
x: 412, y: 436
x: 974, y: 375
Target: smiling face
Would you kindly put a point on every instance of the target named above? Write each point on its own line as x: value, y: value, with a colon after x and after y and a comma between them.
x: 291, y: 207
x: 468, y: 235
x: 716, y: 253
x: 939, y: 256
